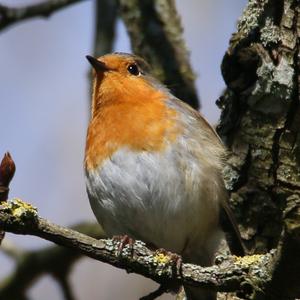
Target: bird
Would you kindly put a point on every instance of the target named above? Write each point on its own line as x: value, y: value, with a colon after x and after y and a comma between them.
x: 153, y: 166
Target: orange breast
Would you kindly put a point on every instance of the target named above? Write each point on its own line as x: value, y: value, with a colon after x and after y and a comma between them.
x: 137, y: 119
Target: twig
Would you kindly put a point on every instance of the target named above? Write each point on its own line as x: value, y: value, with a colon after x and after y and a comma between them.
x: 11, y: 15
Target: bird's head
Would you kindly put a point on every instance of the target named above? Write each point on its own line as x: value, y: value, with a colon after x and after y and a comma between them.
x: 123, y: 77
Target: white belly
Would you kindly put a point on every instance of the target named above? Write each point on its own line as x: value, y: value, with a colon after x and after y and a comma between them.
x: 161, y: 198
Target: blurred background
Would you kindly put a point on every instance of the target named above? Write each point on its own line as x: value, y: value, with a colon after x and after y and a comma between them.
x: 44, y: 101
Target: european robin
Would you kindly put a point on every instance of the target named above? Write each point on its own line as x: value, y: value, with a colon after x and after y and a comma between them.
x: 153, y: 166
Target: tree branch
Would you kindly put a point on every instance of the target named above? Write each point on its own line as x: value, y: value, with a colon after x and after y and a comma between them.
x: 229, y: 274
x: 106, y: 17
x: 11, y: 15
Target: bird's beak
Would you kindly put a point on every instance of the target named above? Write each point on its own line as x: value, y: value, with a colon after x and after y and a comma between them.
x: 98, y: 65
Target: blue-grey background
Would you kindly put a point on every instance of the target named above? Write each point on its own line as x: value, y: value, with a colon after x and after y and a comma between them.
x: 44, y: 96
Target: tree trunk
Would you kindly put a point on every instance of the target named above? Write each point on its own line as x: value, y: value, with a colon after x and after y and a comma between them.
x: 260, y: 121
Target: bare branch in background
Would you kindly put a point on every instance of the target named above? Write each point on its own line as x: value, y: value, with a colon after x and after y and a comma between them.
x: 30, y: 265
x: 106, y: 18
x: 12, y: 15
x: 11, y: 250
x: 66, y: 287
x: 155, y: 32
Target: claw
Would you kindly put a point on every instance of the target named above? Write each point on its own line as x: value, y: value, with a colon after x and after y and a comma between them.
x: 123, y: 241
x: 175, y: 259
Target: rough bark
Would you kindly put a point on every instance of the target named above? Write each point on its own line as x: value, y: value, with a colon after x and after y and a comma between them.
x: 260, y: 124
x: 261, y: 117
x: 155, y: 32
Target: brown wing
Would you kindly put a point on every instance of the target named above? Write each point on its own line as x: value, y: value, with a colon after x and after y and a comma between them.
x: 227, y: 219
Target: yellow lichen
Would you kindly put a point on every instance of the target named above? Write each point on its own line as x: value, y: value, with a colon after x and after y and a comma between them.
x: 161, y: 259
x: 247, y: 260
x: 18, y: 208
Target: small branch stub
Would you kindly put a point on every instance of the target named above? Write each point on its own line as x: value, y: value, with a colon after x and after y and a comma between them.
x: 7, y: 171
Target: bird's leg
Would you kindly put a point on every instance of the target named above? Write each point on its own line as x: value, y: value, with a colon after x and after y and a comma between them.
x: 175, y: 261
x: 123, y: 241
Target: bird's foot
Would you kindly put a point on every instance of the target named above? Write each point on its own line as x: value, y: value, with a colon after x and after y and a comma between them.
x: 175, y: 259
x: 124, y: 240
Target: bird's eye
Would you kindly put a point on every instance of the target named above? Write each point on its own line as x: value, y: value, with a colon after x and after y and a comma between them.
x: 133, y: 69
